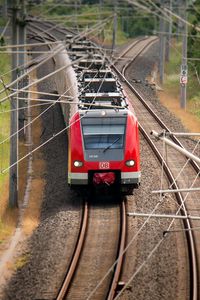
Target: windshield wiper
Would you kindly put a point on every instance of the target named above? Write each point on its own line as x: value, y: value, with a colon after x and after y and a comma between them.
x: 108, y: 147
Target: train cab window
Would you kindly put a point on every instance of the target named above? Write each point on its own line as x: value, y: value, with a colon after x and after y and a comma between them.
x: 104, y: 133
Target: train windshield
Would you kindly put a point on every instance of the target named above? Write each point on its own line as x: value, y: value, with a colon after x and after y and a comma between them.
x: 103, y: 133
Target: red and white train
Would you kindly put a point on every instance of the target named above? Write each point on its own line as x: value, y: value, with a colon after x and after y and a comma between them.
x: 103, y: 132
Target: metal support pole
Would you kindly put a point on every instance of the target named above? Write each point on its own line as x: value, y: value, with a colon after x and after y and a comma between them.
x: 13, y: 178
x: 168, y: 38
x: 114, y: 26
x: 182, y: 134
x: 102, y: 35
x: 175, y: 191
x: 5, y: 9
x: 175, y: 146
x: 183, y: 78
x: 21, y: 57
x: 161, y: 46
x: 147, y: 215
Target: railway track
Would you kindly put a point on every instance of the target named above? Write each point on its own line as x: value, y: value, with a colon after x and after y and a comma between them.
x: 172, y: 164
x: 75, y: 283
x: 75, y: 286
x: 143, y: 111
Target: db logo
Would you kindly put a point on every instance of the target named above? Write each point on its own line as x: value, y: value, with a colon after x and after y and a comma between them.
x: 104, y: 165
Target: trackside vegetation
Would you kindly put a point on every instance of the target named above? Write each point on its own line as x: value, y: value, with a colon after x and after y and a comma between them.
x: 7, y: 216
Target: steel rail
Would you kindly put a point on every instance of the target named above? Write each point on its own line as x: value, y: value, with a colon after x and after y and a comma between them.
x: 75, y: 259
x: 141, y: 50
x: 51, y: 24
x: 60, y: 29
x: 122, y: 244
x: 160, y: 122
x: 194, y: 293
x: 132, y: 45
x: 38, y: 33
x: 79, y: 246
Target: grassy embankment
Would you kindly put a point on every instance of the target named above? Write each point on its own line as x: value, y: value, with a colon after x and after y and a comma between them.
x: 7, y: 216
x: 171, y: 96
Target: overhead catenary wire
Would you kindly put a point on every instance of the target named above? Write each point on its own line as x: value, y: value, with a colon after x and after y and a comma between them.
x: 4, y: 30
x: 29, y: 45
x: 57, y: 50
x: 138, y: 231
x: 130, y: 243
x: 33, y: 27
x: 22, y: 66
x: 44, y: 77
x: 31, y: 69
x: 35, y: 60
x: 50, y: 139
x: 47, y: 102
x: 41, y: 93
x: 89, y: 30
x: 32, y: 120
x: 174, y: 33
x: 156, y: 246
x: 165, y: 10
x: 146, y: 9
x: 37, y: 116
x: 160, y: 10
x: 21, y: 108
x: 35, y: 82
x: 182, y: 19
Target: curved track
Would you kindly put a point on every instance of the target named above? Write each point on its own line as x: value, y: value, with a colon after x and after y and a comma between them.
x: 149, y: 120
x: 173, y: 164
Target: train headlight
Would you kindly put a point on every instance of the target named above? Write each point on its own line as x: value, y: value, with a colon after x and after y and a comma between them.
x: 130, y: 163
x: 78, y: 163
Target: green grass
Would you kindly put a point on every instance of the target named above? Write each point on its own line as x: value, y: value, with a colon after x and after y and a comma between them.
x: 4, y: 119
x: 21, y: 261
x: 172, y: 69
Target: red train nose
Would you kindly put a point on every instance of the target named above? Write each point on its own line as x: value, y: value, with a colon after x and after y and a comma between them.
x: 104, y: 178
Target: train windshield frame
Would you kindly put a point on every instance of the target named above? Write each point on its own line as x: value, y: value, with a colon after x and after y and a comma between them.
x: 104, y: 133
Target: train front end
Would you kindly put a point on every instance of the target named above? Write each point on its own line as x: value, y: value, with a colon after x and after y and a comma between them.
x: 104, y: 150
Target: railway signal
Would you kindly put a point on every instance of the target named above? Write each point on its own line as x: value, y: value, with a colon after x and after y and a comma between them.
x: 183, y: 76
x: 183, y: 80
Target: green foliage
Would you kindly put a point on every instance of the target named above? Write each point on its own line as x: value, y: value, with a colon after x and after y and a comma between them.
x: 194, y: 39
x: 90, y: 1
x: 172, y: 69
x: 135, y: 23
x: 131, y: 22
x: 4, y: 118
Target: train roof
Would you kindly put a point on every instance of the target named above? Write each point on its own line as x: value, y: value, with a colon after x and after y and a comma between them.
x: 104, y: 113
x: 97, y: 79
